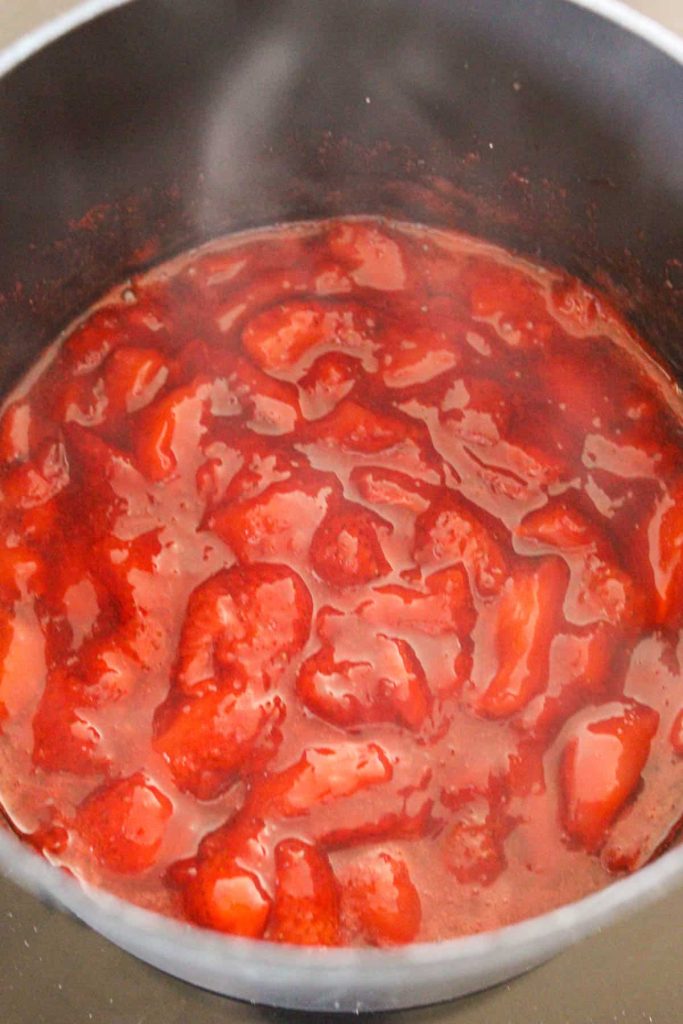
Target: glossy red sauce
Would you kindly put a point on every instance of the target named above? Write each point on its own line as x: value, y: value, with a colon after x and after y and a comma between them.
x: 341, y: 577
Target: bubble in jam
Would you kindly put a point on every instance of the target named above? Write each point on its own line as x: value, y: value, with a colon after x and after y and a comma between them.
x: 341, y: 589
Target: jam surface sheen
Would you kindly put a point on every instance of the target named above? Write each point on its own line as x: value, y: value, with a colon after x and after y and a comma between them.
x: 341, y: 590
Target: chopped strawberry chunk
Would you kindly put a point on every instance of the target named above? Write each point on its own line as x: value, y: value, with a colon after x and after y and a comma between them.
x: 665, y: 534
x: 272, y: 405
x: 167, y: 432
x: 373, y: 258
x: 601, y: 768
x: 123, y: 824
x: 390, y: 685
x: 346, y: 550
x: 380, y: 898
x: 451, y: 532
x: 22, y: 661
x: 133, y: 378
x: 21, y: 570
x: 331, y: 377
x: 353, y: 427
x: 415, y: 356
x: 118, y: 565
x: 445, y: 606
x: 600, y: 588
x: 209, y: 741
x: 677, y: 733
x: 584, y: 398
x: 580, y: 665
x: 35, y: 483
x: 321, y: 775
x: 64, y: 739
x: 388, y: 487
x: 16, y: 425
x: 228, y: 897
x: 306, y: 904
x: 476, y: 410
x: 277, y: 524
x: 528, y: 611
x: 92, y: 341
x: 559, y: 524
x: 513, y: 301
x: 284, y: 335
x: 472, y: 846
x: 241, y: 625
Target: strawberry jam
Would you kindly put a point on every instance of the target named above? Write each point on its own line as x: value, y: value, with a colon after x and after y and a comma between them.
x: 341, y: 590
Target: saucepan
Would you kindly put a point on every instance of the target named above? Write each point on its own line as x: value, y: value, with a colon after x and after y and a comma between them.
x: 130, y: 130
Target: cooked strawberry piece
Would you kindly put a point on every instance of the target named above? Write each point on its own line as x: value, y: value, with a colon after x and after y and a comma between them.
x: 584, y: 398
x: 277, y: 524
x: 81, y: 400
x: 372, y: 257
x: 167, y: 432
x: 527, y: 616
x: 209, y: 741
x: 35, y: 483
x: 243, y: 624
x: 22, y: 570
x: 110, y: 667
x: 123, y: 824
x: 321, y: 774
x: 16, y: 428
x: 306, y: 904
x: 390, y: 685
x: 600, y: 588
x: 580, y: 665
x: 472, y: 845
x: 559, y: 524
x: 346, y: 549
x: 64, y: 739
x: 381, y: 900
x: 677, y: 733
x: 607, y: 593
x: 451, y: 532
x: 331, y: 377
x: 414, y: 355
x: 514, y: 302
x: 388, y: 487
x: 601, y: 767
x: 476, y: 410
x: 214, y: 477
x: 133, y: 378
x: 22, y: 661
x: 444, y: 607
x: 287, y: 334
x: 665, y: 535
x: 119, y: 564
x: 114, y: 486
x: 272, y: 405
x: 228, y: 897
x: 353, y: 427
x: 92, y: 341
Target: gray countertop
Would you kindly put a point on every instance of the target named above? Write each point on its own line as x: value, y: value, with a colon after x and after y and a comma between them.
x: 56, y: 971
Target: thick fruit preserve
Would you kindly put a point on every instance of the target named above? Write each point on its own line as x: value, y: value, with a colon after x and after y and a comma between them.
x: 341, y: 579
